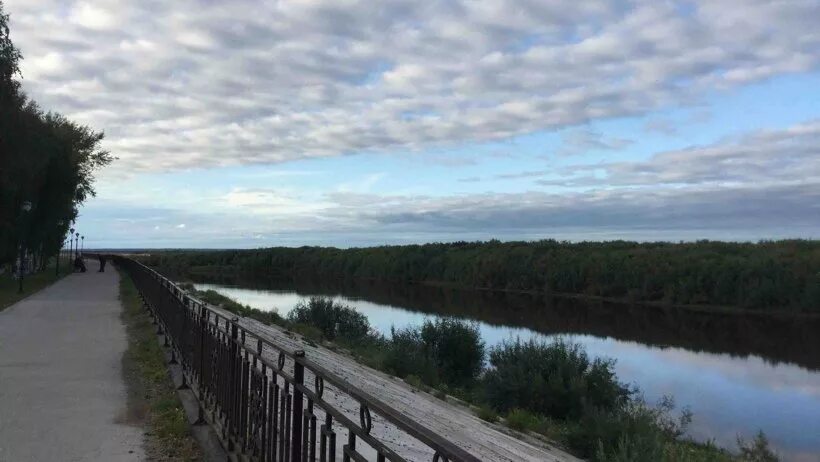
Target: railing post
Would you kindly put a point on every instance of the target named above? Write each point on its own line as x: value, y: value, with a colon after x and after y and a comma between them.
x: 203, y: 327
x: 299, y: 380
x: 232, y: 385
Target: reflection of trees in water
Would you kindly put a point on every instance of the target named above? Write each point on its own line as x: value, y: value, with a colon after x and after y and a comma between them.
x: 775, y: 338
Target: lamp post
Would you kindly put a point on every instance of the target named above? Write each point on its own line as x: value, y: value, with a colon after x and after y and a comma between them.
x: 70, y: 245
x: 82, y: 244
x: 76, y: 245
x: 59, y: 251
x: 24, y: 209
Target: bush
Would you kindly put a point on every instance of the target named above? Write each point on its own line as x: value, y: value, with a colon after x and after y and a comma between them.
x: 406, y: 356
x: 445, y: 350
x: 332, y: 318
x: 634, y: 431
x: 756, y: 450
x: 414, y: 381
x: 456, y: 348
x: 309, y: 332
x: 554, y: 379
x: 487, y: 414
x: 522, y: 420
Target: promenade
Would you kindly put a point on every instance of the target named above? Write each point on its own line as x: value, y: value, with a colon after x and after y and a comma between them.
x: 62, y: 395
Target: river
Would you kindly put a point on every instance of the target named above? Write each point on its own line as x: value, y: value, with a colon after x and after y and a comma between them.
x: 737, y: 373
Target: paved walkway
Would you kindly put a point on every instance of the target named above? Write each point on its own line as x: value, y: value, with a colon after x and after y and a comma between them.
x: 62, y: 396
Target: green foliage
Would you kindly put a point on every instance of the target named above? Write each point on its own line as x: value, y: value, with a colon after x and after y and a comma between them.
x: 631, y: 430
x: 45, y: 159
x: 756, y: 450
x: 414, y: 381
x: 445, y: 350
x: 488, y: 414
x: 33, y: 283
x: 774, y: 275
x: 406, y: 356
x: 522, y: 420
x: 554, y: 379
x: 332, y: 318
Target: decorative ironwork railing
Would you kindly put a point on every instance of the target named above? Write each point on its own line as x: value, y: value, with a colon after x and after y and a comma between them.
x: 267, y: 410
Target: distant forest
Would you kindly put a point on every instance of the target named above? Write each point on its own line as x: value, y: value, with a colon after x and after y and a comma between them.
x: 770, y: 275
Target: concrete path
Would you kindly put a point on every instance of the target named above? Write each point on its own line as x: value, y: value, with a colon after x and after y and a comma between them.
x: 62, y: 396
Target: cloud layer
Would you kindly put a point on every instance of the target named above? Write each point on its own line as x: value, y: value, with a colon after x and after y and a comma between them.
x: 189, y: 84
x: 765, y: 184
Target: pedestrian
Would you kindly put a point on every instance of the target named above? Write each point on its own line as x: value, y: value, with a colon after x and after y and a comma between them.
x: 79, y: 264
x: 102, y: 263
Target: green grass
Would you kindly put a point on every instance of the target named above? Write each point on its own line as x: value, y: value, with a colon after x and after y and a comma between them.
x: 487, y: 414
x: 31, y: 283
x: 153, y: 401
x: 522, y: 420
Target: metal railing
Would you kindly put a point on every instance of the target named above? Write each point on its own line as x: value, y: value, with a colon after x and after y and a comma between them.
x: 261, y: 409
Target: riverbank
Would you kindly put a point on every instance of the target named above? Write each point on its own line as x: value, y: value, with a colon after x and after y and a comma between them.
x: 381, y: 354
x: 486, y: 441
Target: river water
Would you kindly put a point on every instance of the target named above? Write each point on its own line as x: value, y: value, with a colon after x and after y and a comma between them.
x: 737, y: 373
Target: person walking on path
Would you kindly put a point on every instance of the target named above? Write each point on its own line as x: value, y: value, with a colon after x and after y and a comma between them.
x: 102, y: 263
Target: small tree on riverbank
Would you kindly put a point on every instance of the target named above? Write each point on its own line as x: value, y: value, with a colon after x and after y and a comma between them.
x: 445, y: 350
x: 555, y: 379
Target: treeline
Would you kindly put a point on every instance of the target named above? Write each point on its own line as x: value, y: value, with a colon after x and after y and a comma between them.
x: 46, y: 165
x: 774, y: 275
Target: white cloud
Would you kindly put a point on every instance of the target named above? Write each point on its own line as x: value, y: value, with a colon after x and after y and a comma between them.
x: 761, y: 185
x: 184, y: 84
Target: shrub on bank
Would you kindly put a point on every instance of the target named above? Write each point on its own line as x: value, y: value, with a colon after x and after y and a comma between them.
x: 332, y: 318
x: 445, y: 350
x: 633, y: 431
x: 406, y: 356
x: 555, y: 379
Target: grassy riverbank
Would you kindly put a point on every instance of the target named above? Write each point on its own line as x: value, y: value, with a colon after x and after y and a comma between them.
x: 772, y: 276
x: 152, y: 399
x: 554, y: 390
x: 32, y: 283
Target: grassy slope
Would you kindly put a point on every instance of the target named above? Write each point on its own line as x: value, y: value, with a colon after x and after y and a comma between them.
x: 153, y: 402
x: 31, y: 284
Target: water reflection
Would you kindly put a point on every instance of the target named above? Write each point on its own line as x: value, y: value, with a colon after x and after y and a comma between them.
x: 738, y: 374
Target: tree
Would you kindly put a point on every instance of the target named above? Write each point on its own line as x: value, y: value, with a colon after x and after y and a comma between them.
x: 45, y: 159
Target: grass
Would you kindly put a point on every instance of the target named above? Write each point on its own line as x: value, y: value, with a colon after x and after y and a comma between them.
x: 487, y: 414
x: 522, y: 420
x: 31, y: 284
x: 152, y: 400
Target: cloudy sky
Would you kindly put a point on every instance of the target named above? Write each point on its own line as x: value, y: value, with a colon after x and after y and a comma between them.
x: 340, y: 122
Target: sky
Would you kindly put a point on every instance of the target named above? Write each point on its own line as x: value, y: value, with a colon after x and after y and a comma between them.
x: 357, y: 123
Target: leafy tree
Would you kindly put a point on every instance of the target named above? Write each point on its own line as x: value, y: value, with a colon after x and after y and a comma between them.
x: 45, y: 159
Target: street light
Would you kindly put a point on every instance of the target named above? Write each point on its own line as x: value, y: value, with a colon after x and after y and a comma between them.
x: 60, y: 250
x: 82, y: 244
x: 70, y: 245
x: 76, y: 245
x: 25, y: 207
